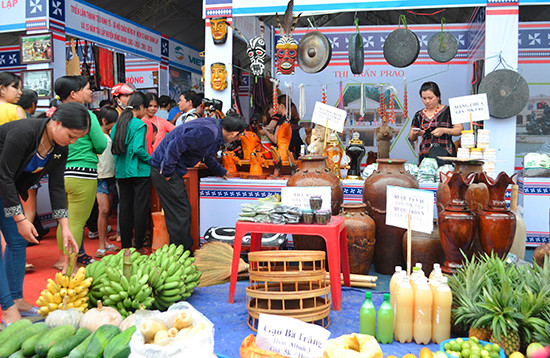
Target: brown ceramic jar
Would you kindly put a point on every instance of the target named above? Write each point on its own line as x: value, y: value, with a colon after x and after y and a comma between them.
x: 387, y: 249
x: 425, y: 248
x: 360, y: 229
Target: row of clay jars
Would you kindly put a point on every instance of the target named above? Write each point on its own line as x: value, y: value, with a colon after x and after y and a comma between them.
x: 458, y: 225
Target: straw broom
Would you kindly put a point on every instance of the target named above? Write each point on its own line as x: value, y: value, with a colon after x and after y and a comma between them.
x: 214, y: 260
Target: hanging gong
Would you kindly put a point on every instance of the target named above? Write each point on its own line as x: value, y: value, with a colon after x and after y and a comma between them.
x: 356, y: 54
x: 401, y: 48
x: 442, y: 47
x: 507, y: 93
x: 314, y: 52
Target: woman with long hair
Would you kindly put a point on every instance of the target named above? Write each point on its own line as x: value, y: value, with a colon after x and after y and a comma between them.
x: 132, y: 171
x: 29, y: 150
x: 10, y: 92
x: 150, y: 118
x: 81, y: 167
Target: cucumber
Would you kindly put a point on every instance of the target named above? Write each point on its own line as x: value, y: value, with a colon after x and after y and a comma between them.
x: 99, y: 341
x: 80, y: 350
x: 18, y: 354
x: 119, y: 347
x: 63, y: 348
x: 54, y: 335
x: 14, y: 344
x: 9, y: 332
x: 28, y: 346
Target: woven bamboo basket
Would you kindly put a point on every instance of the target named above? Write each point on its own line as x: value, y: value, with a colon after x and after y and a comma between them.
x: 288, y: 283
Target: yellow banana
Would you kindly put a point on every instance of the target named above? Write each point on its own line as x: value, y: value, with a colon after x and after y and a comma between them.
x: 44, y: 311
x: 52, y: 306
x: 49, y: 296
x: 87, y: 282
x: 59, y: 278
x: 71, y: 292
x: 57, y: 298
x: 65, y: 281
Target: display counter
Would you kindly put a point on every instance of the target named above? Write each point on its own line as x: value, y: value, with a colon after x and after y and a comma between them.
x: 534, y: 197
x: 221, y: 200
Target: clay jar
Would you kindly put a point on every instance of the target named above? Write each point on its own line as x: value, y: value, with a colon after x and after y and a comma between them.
x: 457, y: 226
x: 387, y: 249
x: 425, y: 248
x: 497, y: 224
x: 360, y: 229
x: 314, y: 172
x: 477, y: 194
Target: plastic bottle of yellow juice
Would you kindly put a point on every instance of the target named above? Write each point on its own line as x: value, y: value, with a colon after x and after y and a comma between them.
x: 404, y: 311
x: 422, y: 328
x: 441, y: 320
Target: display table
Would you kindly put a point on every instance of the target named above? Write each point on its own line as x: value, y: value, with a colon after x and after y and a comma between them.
x: 216, y: 193
x: 334, y: 234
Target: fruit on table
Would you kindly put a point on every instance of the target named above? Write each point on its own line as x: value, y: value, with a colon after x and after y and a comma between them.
x: 97, y: 317
x: 471, y: 348
x: 74, y: 289
x: 64, y: 315
x: 517, y: 355
x: 425, y: 353
x: 532, y: 348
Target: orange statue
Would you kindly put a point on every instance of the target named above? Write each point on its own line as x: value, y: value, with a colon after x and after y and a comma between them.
x: 230, y: 159
x: 334, y: 153
x: 250, y: 142
x: 257, y: 162
x: 283, y: 140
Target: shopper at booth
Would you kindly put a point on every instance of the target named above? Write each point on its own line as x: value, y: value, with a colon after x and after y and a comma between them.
x: 10, y: 92
x: 81, y: 168
x: 29, y: 150
x: 151, y: 119
x: 28, y: 101
x: 433, y: 123
x: 164, y: 106
x: 189, y: 101
x: 132, y: 171
x: 121, y: 93
x: 185, y: 146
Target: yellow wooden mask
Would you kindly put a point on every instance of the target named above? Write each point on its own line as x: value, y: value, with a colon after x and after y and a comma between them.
x: 218, y: 26
x: 218, y: 76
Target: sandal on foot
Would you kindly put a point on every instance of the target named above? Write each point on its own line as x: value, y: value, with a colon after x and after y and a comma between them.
x: 85, y: 259
x: 99, y: 253
x: 112, y: 248
x: 33, y: 311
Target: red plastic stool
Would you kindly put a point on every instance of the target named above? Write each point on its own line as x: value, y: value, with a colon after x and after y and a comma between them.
x: 334, y: 234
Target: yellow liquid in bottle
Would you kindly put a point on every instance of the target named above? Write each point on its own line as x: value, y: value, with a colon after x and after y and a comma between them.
x: 441, y: 320
x: 404, y: 311
x: 422, y: 328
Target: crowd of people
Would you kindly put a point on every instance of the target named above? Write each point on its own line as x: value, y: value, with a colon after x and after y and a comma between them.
x: 118, y: 151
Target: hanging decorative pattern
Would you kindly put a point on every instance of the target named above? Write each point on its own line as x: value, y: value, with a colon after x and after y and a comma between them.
x: 382, y: 103
x: 391, y: 115
x: 324, y: 95
x: 275, y: 102
x: 341, y: 97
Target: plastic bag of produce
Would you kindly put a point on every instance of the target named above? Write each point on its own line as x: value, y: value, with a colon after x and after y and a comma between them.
x: 182, y: 331
x: 249, y: 349
x: 353, y: 345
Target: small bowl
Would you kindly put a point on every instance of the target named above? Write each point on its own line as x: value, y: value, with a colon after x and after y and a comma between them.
x: 315, y: 202
x: 323, y: 216
x: 442, y: 346
x: 308, y: 216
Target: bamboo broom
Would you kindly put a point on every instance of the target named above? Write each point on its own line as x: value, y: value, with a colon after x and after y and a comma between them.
x: 214, y: 260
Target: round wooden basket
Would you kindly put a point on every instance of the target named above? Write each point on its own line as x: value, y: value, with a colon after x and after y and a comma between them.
x: 288, y: 283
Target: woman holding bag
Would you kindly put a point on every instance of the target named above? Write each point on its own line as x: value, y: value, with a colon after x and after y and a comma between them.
x: 434, y: 124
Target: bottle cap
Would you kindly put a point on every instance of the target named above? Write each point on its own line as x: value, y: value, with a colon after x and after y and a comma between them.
x: 368, y: 294
x: 419, y: 265
x: 444, y: 279
x: 436, y: 265
x: 415, y: 269
x: 386, y: 296
x: 398, y: 268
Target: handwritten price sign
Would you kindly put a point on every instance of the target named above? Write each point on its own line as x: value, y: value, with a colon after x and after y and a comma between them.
x: 400, y: 202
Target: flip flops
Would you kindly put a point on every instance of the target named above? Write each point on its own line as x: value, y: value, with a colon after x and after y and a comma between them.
x: 112, y: 248
x: 33, y: 311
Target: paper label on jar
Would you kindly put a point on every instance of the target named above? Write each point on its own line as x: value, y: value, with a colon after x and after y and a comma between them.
x: 402, y: 202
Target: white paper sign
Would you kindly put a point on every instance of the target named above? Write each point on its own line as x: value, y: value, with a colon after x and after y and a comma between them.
x: 329, y: 116
x: 298, y: 196
x: 475, y: 105
x: 291, y: 337
x: 402, y: 201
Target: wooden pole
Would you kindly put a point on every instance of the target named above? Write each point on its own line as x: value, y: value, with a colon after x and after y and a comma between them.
x: 409, y: 244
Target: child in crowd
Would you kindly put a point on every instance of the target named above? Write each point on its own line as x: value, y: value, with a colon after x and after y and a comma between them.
x: 132, y: 171
x: 106, y: 188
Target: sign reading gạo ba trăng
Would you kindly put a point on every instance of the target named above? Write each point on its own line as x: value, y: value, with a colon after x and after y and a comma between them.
x: 463, y: 107
x: 291, y: 337
x: 400, y: 202
x: 328, y: 116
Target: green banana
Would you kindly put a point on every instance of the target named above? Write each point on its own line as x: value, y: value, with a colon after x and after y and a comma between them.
x: 143, y: 280
x: 170, y: 293
x: 124, y: 283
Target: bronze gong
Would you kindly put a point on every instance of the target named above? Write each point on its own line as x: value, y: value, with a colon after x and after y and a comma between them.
x: 401, y: 48
x: 507, y: 93
x: 442, y: 47
x: 314, y: 52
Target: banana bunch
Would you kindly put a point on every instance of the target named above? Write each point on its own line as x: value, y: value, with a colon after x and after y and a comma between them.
x: 123, y: 290
x: 173, y: 275
x: 127, y: 284
x: 74, y: 288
